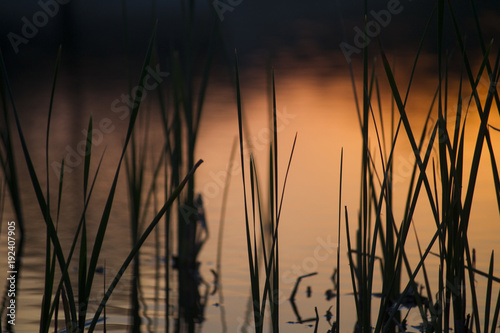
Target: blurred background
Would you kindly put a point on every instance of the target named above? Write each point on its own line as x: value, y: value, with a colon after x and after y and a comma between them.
x: 306, y: 42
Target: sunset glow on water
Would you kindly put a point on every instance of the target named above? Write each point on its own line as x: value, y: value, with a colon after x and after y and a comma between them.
x: 316, y: 54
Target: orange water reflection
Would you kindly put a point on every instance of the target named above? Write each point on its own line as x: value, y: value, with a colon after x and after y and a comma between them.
x: 316, y: 102
x: 323, y: 114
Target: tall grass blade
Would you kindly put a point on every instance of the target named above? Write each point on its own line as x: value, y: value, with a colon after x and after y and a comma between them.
x: 67, y: 316
x: 82, y: 271
x: 150, y: 196
x: 268, y: 261
x: 337, y: 321
x: 483, y: 133
x: 363, y: 243
x: 39, y: 194
x: 408, y: 129
x: 419, y: 51
x: 75, y: 238
x: 220, y: 238
x: 140, y: 242
x: 206, y: 75
x: 109, y: 202
x: 494, y: 322
x: 60, y: 191
x: 415, y: 272
x: 48, y: 286
x: 353, y: 269
x: 488, y: 294
x: 275, y: 253
x: 49, y: 268
x: 430, y: 300
x: 51, y: 104
x: 317, y: 320
x: 483, y: 129
x: 253, y: 278
x: 475, y: 308
x: 104, y: 290
x: 274, y: 238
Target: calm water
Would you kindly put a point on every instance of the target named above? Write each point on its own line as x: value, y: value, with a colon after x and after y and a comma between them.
x: 314, y: 99
x: 317, y: 103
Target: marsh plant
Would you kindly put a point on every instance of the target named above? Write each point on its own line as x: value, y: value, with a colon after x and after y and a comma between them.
x: 440, y: 181
x: 377, y: 249
x: 181, y: 109
x: 377, y: 242
x: 257, y: 219
x: 60, y: 288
